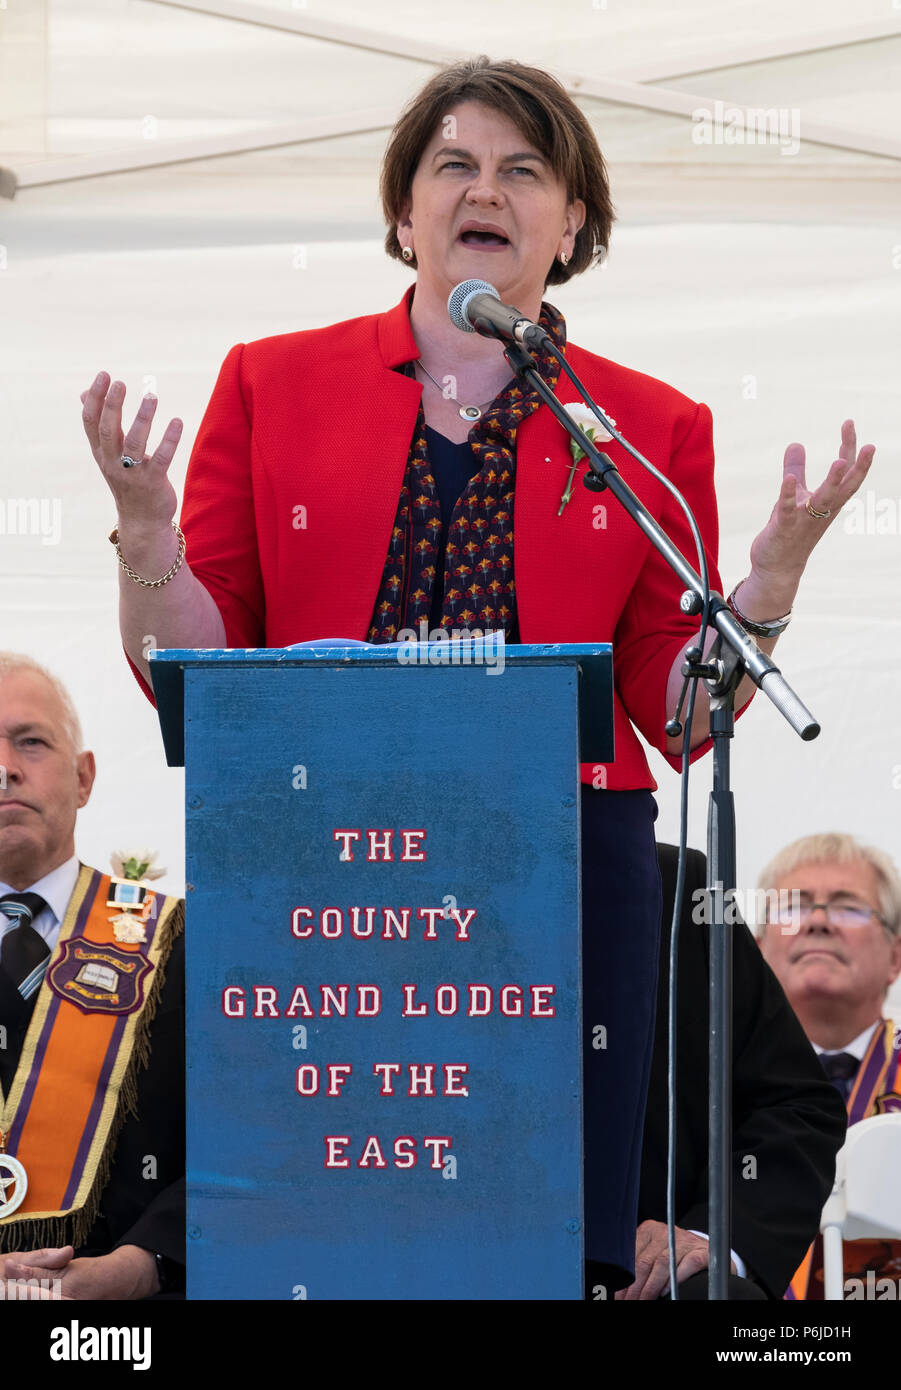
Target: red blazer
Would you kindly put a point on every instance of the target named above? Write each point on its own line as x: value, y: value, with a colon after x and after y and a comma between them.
x: 293, y: 483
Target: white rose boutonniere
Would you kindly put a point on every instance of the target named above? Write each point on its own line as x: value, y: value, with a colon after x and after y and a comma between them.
x: 136, y: 865
x: 583, y: 416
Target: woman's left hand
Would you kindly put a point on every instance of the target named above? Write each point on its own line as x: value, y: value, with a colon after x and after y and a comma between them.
x: 783, y: 547
x: 779, y: 554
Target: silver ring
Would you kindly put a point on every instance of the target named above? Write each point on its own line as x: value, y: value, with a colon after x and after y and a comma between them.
x: 129, y: 462
x: 817, y: 516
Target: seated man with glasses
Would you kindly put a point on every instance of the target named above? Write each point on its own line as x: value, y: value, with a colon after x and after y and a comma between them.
x: 833, y: 939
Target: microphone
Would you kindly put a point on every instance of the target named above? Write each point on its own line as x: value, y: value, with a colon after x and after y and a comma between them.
x: 475, y: 306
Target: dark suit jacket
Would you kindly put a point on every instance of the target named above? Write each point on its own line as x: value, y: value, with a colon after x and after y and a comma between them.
x: 135, y: 1209
x: 785, y: 1113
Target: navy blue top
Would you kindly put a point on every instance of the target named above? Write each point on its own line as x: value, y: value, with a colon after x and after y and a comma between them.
x: 452, y: 467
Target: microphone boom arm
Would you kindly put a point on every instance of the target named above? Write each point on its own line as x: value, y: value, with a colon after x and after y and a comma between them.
x: 604, y: 474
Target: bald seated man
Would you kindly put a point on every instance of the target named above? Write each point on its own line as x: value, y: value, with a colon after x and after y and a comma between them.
x: 91, y: 1029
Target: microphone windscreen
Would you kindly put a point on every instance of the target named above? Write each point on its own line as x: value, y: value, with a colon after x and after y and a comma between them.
x: 458, y: 298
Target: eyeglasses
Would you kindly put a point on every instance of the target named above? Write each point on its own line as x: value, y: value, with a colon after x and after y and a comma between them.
x: 837, y: 914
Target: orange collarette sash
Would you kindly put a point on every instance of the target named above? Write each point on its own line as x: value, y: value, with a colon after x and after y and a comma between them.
x: 876, y: 1091
x: 76, y: 1077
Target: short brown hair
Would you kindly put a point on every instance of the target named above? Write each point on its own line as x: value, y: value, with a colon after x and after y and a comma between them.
x: 548, y: 118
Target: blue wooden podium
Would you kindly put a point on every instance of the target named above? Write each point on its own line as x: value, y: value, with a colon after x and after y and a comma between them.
x: 383, y: 1011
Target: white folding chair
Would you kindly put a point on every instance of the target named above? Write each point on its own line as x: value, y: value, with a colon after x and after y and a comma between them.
x: 866, y: 1199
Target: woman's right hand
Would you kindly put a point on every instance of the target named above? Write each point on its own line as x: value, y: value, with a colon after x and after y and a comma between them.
x: 145, y: 498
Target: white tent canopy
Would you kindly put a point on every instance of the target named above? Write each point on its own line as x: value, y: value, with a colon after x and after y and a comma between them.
x: 762, y: 279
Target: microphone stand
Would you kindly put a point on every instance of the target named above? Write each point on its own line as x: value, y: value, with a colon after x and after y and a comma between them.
x: 733, y: 654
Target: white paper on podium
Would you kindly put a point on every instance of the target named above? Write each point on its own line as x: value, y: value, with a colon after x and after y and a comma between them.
x: 337, y: 642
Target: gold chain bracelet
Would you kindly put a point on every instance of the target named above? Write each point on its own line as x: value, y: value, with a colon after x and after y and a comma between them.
x: 170, y: 573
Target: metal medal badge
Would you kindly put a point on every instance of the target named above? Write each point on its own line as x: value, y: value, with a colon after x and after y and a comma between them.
x: 12, y: 1175
x: 134, y: 901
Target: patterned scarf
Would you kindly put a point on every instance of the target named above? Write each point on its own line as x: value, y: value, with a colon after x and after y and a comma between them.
x: 479, y: 589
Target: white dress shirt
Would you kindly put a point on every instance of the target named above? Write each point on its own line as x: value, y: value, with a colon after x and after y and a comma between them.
x: 857, y: 1047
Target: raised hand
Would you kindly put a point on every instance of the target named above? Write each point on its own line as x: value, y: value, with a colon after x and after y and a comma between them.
x: 783, y: 547
x: 145, y: 498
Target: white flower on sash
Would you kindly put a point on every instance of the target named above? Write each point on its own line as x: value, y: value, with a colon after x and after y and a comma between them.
x: 136, y: 865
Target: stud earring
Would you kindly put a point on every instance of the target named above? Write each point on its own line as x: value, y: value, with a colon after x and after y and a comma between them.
x: 407, y: 253
x: 564, y: 259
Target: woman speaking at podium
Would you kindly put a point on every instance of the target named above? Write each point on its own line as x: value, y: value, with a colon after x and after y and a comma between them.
x: 363, y: 478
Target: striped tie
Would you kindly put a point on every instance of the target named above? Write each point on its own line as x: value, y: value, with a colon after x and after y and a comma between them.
x: 23, y: 952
